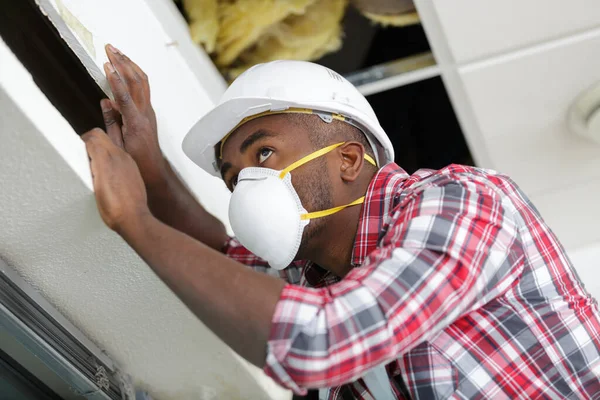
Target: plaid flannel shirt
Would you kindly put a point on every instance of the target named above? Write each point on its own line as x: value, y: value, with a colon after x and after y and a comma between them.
x: 460, y: 289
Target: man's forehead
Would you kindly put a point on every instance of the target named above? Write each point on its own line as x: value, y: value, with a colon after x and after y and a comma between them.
x: 278, y: 125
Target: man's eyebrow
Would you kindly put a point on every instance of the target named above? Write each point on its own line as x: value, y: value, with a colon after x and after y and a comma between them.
x: 224, y: 168
x: 249, y: 141
x: 255, y: 137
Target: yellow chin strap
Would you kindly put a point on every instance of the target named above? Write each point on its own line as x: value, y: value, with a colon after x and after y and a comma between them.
x: 312, y: 156
x: 324, y: 213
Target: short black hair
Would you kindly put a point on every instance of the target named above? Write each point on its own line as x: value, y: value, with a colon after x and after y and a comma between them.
x: 322, y: 134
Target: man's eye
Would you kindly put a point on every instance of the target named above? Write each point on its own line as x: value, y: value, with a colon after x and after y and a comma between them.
x: 263, y: 154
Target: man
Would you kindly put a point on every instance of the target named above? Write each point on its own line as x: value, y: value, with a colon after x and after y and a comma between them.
x: 443, y: 284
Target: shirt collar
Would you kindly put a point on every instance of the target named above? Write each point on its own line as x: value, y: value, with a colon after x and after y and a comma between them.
x: 380, y: 200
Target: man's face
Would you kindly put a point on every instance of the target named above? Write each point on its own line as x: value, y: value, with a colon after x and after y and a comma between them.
x: 275, y: 142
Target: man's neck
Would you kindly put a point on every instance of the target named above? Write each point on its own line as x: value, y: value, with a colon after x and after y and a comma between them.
x: 333, y: 247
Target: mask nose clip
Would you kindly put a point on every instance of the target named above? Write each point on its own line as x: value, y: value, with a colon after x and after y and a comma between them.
x: 252, y: 178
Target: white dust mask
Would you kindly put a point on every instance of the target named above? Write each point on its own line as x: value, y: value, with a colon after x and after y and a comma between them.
x: 267, y: 215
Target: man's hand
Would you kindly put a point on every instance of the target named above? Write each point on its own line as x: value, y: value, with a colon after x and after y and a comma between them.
x: 130, y: 119
x: 118, y: 185
x: 235, y: 302
x: 131, y: 125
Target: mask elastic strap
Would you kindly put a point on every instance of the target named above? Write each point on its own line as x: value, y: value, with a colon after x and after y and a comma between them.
x: 308, y: 158
x: 318, y: 154
x: 370, y: 160
x: 329, y: 211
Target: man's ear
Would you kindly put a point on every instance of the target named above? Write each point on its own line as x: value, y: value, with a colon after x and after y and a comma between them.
x: 353, y: 156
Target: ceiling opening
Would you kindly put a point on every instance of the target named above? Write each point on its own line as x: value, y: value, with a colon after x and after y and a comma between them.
x: 415, y: 112
x: 420, y: 121
x: 366, y: 44
x: 54, y: 67
x: 418, y: 116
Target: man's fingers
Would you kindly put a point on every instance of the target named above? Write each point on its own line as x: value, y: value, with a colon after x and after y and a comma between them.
x: 112, y: 122
x: 96, y: 151
x: 121, y: 92
x: 98, y: 143
x: 145, y: 83
x: 125, y: 68
x: 92, y: 135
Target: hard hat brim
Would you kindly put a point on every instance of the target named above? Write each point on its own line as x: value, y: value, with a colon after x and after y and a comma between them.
x: 199, y: 143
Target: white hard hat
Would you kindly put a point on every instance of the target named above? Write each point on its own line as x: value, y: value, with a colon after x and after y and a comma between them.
x: 279, y: 87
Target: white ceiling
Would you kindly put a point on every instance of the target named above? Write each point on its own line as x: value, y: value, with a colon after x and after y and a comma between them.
x: 512, y: 69
x: 520, y: 103
x: 476, y: 29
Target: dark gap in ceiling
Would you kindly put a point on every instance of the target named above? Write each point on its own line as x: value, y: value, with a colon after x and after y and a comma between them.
x: 390, y: 44
x: 418, y: 118
x: 358, y: 36
x: 54, y: 67
x: 420, y: 121
x: 367, y: 44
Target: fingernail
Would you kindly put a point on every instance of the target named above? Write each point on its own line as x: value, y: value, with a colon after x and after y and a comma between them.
x: 109, y: 67
x: 105, y: 105
x: 113, y: 49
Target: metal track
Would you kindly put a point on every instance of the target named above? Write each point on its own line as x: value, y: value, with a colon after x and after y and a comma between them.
x: 31, y: 320
x: 394, y: 74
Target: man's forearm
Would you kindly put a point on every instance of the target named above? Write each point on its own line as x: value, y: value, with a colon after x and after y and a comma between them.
x: 172, y: 203
x: 235, y: 302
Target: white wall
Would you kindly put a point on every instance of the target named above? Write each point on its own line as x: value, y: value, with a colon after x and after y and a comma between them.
x: 587, y: 263
x: 184, y: 83
x: 52, y: 234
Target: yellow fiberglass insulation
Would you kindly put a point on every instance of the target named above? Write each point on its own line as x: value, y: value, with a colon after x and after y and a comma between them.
x: 241, y: 33
x: 243, y: 22
x: 299, y: 37
x: 203, y: 21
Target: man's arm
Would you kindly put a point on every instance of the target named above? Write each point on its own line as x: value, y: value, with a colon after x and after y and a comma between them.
x: 168, y: 198
x: 450, y: 250
x: 172, y: 203
x: 136, y: 132
x: 235, y: 302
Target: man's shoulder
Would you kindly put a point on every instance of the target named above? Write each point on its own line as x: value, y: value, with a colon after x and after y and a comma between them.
x: 468, y: 176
